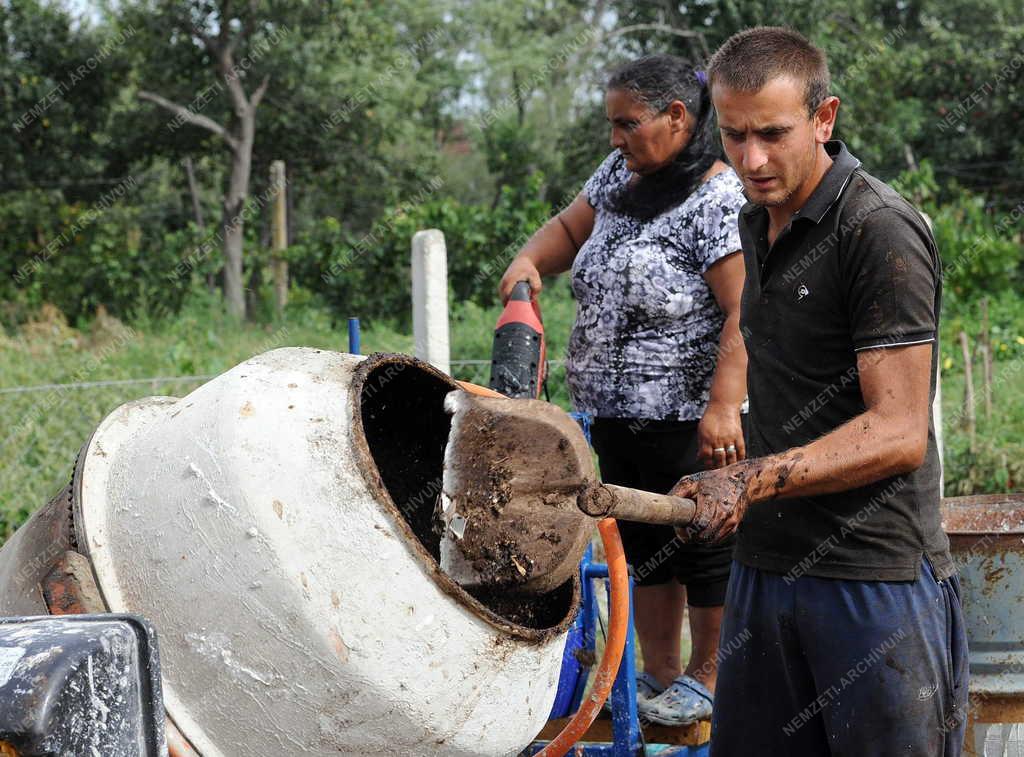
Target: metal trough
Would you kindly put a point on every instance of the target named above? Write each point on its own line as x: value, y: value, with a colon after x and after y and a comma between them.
x: 986, y: 536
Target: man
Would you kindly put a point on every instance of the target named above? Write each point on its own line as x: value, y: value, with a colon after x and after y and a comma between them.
x: 843, y: 607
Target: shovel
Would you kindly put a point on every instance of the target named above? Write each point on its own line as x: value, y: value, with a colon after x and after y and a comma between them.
x: 520, y: 495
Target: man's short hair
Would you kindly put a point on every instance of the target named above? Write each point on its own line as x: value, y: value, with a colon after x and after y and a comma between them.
x: 751, y: 58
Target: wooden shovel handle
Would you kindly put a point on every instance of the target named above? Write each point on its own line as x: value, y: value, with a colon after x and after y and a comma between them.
x: 610, y: 501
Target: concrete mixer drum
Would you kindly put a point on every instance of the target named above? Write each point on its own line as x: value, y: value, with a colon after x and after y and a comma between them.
x: 277, y: 527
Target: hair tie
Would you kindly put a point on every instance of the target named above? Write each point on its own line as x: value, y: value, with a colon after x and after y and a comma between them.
x: 702, y: 77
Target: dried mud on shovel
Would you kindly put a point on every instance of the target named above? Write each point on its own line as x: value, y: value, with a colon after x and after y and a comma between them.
x: 485, y: 490
x: 510, y: 484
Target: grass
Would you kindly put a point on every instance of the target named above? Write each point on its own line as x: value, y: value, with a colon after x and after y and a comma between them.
x: 43, y: 430
x: 995, y: 462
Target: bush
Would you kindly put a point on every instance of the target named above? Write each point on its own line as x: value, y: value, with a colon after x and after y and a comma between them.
x: 990, y: 468
x: 369, y: 275
x: 79, y: 256
x: 981, y: 250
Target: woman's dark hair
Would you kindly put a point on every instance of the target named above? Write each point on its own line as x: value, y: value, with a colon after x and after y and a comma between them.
x: 657, y: 81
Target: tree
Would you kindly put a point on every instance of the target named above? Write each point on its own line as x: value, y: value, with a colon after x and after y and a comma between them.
x: 223, y: 31
x: 355, y: 100
x: 58, y: 81
x: 918, y: 79
x: 524, y: 64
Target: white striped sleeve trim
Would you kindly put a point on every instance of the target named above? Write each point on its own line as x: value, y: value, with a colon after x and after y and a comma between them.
x: 893, y: 344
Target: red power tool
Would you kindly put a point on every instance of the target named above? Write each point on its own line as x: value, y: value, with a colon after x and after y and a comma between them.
x: 519, y: 355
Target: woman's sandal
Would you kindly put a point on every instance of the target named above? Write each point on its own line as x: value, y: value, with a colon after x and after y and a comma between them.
x: 685, y: 701
x: 647, y: 688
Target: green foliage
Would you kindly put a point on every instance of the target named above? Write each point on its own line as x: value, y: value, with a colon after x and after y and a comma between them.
x: 1005, y: 326
x: 58, y: 81
x: 995, y: 463
x: 580, y: 150
x: 930, y: 78
x: 369, y: 275
x: 80, y: 256
x: 981, y: 246
x: 509, y: 147
x: 977, y: 257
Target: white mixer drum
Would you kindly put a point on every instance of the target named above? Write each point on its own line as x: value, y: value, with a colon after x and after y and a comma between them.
x: 277, y: 527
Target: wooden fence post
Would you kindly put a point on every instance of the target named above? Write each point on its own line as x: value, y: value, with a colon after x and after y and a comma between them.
x: 968, y: 419
x: 279, y: 265
x: 986, y: 358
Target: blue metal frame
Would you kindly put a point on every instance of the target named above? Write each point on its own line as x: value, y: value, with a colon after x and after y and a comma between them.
x: 625, y: 720
x: 627, y: 740
x: 610, y: 750
x: 626, y: 737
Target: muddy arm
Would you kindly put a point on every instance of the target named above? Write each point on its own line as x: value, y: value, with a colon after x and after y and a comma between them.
x: 610, y: 501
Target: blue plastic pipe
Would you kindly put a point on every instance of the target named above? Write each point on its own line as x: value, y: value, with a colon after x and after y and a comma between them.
x: 353, y: 336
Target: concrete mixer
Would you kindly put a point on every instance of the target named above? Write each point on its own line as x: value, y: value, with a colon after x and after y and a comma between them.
x: 277, y: 527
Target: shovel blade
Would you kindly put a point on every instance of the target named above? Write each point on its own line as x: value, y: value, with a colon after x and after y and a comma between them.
x: 513, y: 469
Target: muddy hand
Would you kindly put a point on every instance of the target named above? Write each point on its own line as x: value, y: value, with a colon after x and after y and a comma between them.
x: 722, y: 496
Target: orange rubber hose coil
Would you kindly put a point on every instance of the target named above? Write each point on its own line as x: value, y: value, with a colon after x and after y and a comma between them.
x: 618, y: 627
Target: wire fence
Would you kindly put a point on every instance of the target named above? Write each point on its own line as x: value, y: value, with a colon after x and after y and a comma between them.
x: 43, y: 427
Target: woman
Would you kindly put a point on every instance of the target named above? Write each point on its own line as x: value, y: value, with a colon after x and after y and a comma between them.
x: 656, y: 354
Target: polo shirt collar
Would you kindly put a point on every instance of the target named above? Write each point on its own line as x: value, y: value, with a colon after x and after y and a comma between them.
x: 829, y: 188
x: 832, y: 183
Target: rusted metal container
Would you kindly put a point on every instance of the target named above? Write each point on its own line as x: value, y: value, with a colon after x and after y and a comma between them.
x: 986, y: 536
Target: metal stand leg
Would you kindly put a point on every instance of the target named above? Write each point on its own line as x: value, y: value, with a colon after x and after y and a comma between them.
x: 626, y: 736
x: 625, y: 722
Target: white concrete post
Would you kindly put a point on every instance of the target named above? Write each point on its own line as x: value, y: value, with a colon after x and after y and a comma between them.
x: 430, y: 299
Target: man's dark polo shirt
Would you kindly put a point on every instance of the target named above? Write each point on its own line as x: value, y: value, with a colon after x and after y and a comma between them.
x: 857, y: 268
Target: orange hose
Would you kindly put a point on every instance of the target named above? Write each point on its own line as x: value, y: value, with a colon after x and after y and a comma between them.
x: 177, y: 745
x: 618, y: 627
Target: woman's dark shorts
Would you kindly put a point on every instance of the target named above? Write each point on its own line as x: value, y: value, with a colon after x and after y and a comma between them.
x: 652, y: 455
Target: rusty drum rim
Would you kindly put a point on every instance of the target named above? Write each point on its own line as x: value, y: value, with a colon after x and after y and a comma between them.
x: 984, y: 514
x: 375, y: 484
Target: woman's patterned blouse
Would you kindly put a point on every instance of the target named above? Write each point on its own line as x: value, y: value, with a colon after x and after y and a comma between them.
x: 647, y: 325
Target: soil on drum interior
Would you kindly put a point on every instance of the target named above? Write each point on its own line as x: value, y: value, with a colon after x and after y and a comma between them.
x: 406, y: 430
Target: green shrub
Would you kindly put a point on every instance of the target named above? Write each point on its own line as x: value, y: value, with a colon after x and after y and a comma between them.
x: 368, y: 275
x: 79, y: 256
x: 981, y: 249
